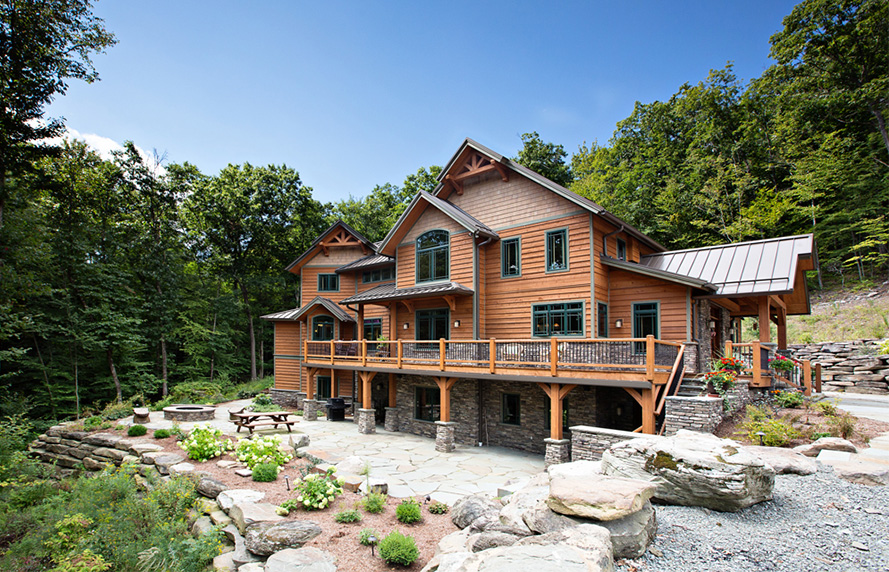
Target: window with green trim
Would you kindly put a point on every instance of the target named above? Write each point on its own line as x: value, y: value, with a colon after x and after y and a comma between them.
x: 645, y: 323
x: 322, y: 390
x: 510, y: 409
x: 433, y: 256
x: 511, y: 257
x: 557, y: 250
x: 328, y: 282
x: 562, y: 319
x: 378, y: 275
x: 373, y: 328
x: 427, y: 403
x: 602, y: 320
x: 322, y: 328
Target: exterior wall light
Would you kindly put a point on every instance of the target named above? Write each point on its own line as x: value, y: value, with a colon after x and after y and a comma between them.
x: 618, y: 323
x: 456, y: 323
x: 406, y: 326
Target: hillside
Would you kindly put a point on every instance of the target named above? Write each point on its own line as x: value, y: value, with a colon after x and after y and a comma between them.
x: 842, y: 314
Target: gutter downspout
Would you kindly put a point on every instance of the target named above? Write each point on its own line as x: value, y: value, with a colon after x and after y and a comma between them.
x: 476, y: 281
x: 605, y: 239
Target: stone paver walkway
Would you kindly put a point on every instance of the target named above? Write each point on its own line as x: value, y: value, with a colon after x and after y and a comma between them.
x: 408, y: 463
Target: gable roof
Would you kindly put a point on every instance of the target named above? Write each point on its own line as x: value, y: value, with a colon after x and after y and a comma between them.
x: 369, y: 261
x: 296, y: 313
x: 757, y: 267
x: 390, y: 292
x: 317, y: 244
x: 454, y: 212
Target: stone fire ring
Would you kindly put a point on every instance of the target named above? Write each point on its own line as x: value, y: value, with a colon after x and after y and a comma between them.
x: 190, y: 412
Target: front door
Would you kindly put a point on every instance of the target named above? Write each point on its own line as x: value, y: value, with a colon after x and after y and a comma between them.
x: 645, y: 322
x: 432, y: 324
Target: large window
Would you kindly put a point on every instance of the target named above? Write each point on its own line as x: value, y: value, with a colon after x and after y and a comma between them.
x: 378, y: 275
x: 563, y: 319
x: 322, y: 391
x: 645, y: 322
x: 432, y: 324
x: 427, y: 403
x: 511, y: 257
x: 557, y: 250
x: 373, y: 328
x: 322, y: 328
x: 328, y: 283
x: 510, y: 409
x: 602, y: 320
x: 432, y: 256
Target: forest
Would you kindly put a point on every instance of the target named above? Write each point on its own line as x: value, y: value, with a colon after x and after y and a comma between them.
x: 131, y: 276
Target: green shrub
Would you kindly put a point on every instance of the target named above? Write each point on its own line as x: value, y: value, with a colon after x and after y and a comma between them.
x: 438, y: 507
x: 408, y: 511
x: 180, y: 433
x: 374, y: 503
x: 884, y: 347
x: 818, y: 435
x: 114, y: 410
x: 261, y: 449
x: 196, y: 392
x: 162, y: 433
x: 204, y: 443
x: 346, y: 516
x: 397, y: 548
x: 86, y: 561
x: 315, y: 492
x: 777, y: 431
x: 137, y: 430
x: 93, y: 422
x: 827, y: 408
x: 789, y: 398
x: 842, y: 425
x: 265, y: 472
x: 754, y: 413
x: 365, y: 534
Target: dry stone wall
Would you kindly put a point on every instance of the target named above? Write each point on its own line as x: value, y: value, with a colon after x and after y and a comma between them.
x: 856, y: 367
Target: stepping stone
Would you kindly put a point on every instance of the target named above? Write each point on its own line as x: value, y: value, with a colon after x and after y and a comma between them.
x: 244, y: 472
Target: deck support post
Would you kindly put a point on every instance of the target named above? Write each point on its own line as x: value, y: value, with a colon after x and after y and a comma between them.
x: 334, y: 384
x: 311, y: 372
x: 367, y: 422
x: 764, y: 322
x: 649, y: 420
x: 391, y: 423
x: 817, y: 378
x: 807, y: 378
x: 444, y: 386
x: 556, y: 393
x: 365, y: 377
x: 392, y: 392
x: 558, y: 451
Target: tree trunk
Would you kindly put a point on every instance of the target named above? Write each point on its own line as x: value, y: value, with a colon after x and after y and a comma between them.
x: 881, y: 124
x: 164, y: 366
x: 52, y: 402
x: 261, y: 354
x: 246, y: 298
x: 114, y: 374
x: 215, y: 313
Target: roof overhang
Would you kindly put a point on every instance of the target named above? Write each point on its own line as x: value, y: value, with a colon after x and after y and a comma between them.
x: 659, y: 274
x: 297, y: 314
x: 388, y: 293
x: 319, y: 244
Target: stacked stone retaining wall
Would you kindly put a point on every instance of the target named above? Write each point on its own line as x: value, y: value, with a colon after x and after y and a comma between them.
x: 856, y: 366
x: 588, y: 443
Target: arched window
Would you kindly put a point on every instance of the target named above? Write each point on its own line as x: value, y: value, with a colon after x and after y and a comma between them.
x: 322, y: 328
x: 432, y: 256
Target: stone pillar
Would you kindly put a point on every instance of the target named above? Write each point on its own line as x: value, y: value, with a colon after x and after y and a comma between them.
x: 444, y: 436
x: 391, y: 423
x: 557, y: 451
x: 690, y: 357
x: 367, y: 421
x: 702, y: 331
x: 300, y: 397
x: 310, y: 409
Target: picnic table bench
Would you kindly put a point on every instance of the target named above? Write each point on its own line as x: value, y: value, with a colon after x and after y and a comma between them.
x: 254, y: 419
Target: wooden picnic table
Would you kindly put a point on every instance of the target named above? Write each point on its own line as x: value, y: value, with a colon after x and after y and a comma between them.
x: 253, y: 419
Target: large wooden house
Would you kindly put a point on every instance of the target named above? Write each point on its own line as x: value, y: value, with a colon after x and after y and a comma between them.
x: 502, y: 308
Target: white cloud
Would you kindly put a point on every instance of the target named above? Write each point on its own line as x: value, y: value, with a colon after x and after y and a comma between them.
x: 104, y: 146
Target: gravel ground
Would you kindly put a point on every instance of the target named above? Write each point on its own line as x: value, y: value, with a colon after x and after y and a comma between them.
x: 814, y: 523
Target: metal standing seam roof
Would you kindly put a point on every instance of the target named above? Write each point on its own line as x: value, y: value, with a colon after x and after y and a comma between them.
x: 369, y: 261
x: 655, y: 273
x: 390, y: 292
x: 744, y: 268
x: 296, y: 313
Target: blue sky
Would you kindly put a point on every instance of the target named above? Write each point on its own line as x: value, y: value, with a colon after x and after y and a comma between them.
x: 355, y: 94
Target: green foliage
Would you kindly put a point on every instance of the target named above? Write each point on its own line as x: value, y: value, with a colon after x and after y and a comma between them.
x: 842, y: 425
x: 180, y: 433
x: 204, y: 443
x: 884, y: 347
x: 365, y: 535
x: 196, y: 392
x: 265, y: 472
x: 263, y: 402
x: 438, y: 507
x: 408, y: 511
x: 374, y: 503
x: 777, y: 431
x: 818, y: 435
x: 162, y: 433
x: 315, y: 492
x: 261, y: 449
x: 547, y: 159
x: 827, y: 408
x: 86, y: 561
x: 789, y: 398
x: 137, y: 430
x: 397, y: 548
x: 347, y: 516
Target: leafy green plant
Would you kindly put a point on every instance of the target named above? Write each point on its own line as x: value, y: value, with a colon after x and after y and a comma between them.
x: 827, y: 408
x: 782, y: 364
x: 204, y: 443
x: 365, y: 535
x: 86, y: 561
x: 776, y: 431
x: 265, y: 472
x: 789, y: 398
x: 721, y: 379
x: 180, y: 433
x: 818, y: 435
x: 162, y: 433
x: 347, y: 516
x: 196, y: 392
x: 374, y: 503
x: 137, y: 430
x: 315, y: 492
x: 884, y: 345
x: 408, y: 511
x: 261, y: 449
x: 842, y: 425
x: 397, y: 548
x: 438, y: 507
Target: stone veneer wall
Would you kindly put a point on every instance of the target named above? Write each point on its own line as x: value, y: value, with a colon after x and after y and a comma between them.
x: 694, y: 413
x: 287, y: 397
x: 856, y: 367
x: 588, y: 443
x: 464, y: 408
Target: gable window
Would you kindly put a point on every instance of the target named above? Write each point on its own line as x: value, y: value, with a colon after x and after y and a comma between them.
x: 373, y: 328
x: 328, y: 283
x: 511, y: 257
x: 510, y: 409
x: 557, y: 250
x: 621, y: 249
x: 427, y: 404
x: 322, y: 389
x: 322, y: 328
x: 432, y: 256
x: 378, y: 275
x: 563, y: 319
x: 602, y: 320
x: 645, y: 323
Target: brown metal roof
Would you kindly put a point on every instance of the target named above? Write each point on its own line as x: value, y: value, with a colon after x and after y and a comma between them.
x: 296, y: 313
x: 369, y: 261
x: 655, y: 273
x: 745, y: 268
x: 390, y: 292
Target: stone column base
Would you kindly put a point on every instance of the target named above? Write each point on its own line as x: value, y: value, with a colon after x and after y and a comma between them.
x: 310, y: 409
x: 300, y: 397
x: 444, y: 436
x: 558, y: 451
x: 391, y: 423
x: 367, y: 422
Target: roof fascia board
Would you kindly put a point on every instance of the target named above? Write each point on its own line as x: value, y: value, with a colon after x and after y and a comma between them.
x: 297, y: 264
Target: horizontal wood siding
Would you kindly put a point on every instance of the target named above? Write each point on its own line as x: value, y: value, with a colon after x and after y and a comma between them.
x: 406, y: 266
x: 287, y: 374
x: 309, y: 285
x: 288, y: 338
x: 627, y: 288
x: 461, y: 259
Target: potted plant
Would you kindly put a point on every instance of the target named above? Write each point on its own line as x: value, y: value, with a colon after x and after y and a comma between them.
x: 783, y: 364
x: 719, y: 381
x: 731, y: 364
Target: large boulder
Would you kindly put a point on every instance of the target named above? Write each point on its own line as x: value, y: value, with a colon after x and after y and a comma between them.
x: 243, y: 514
x: 593, y: 541
x: 541, y: 519
x: 240, y: 555
x: 597, y: 496
x: 575, y: 469
x: 300, y: 560
x: 453, y: 542
x: 229, y: 497
x: 472, y: 507
x: 210, y: 487
x: 631, y: 535
x: 694, y: 469
x: 785, y: 461
x: 266, y: 538
x: 862, y: 472
x: 826, y: 443
x: 353, y: 464
x: 490, y: 539
x: 539, y: 558
x: 522, y: 501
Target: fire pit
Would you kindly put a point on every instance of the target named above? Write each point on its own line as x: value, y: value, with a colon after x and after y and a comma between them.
x: 190, y: 412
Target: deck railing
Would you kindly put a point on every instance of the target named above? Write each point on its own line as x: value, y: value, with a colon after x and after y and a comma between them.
x: 646, y: 355
x: 756, y: 357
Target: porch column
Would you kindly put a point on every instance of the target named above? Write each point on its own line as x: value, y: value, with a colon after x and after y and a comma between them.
x: 782, y: 329
x: 557, y: 448
x: 764, y: 323
x: 391, y: 423
x: 367, y: 422
x: 444, y: 429
x: 393, y: 321
x: 360, y: 324
x: 646, y: 398
x: 334, y: 384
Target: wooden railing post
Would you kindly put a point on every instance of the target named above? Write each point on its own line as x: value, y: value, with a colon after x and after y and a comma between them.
x: 818, y: 377
x: 331, y: 352
x: 757, y: 365
x: 649, y: 357
x: 363, y: 352
x: 807, y: 378
x: 441, y: 354
x: 492, y: 352
x: 729, y: 349
x: 305, y: 349
x: 399, y: 353
x: 553, y: 357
